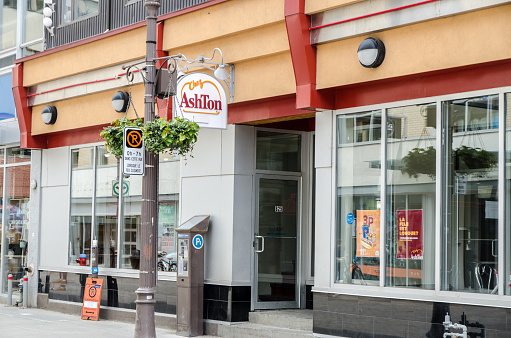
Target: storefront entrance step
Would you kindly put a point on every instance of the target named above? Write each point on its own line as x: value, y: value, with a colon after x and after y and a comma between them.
x: 289, y: 319
x: 251, y: 330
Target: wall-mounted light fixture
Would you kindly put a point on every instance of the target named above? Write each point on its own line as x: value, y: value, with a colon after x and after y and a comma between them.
x: 48, y: 10
x: 121, y: 101
x: 49, y: 115
x: 371, y: 53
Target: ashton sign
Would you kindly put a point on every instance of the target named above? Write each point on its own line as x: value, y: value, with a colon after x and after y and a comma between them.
x: 202, y: 99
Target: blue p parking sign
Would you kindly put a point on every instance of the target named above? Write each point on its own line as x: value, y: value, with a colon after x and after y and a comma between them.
x: 198, y: 242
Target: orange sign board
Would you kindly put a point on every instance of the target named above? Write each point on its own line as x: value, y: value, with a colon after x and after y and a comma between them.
x: 92, y: 298
x: 368, y: 233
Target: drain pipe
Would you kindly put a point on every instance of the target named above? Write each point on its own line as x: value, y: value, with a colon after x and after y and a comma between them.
x: 448, y: 325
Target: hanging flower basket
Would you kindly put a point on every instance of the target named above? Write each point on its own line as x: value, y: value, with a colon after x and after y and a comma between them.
x: 422, y: 161
x: 113, y: 134
x: 177, y: 135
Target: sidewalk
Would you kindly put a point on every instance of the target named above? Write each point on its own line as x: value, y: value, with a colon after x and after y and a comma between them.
x: 32, y: 322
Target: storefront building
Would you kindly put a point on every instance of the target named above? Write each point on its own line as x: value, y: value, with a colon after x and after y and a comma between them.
x: 327, y: 173
x: 20, y: 35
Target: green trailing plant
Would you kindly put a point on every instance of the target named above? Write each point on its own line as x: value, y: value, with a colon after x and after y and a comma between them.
x: 422, y: 161
x: 177, y: 135
x: 113, y: 134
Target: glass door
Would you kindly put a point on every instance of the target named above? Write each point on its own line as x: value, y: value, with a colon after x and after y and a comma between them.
x: 276, y: 243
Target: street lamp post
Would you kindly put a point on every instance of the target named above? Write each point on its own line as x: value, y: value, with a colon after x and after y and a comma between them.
x: 144, y: 323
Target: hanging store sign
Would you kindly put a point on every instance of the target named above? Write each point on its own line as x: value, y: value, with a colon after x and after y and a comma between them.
x: 133, y: 152
x: 409, y: 234
x: 201, y: 98
x: 368, y: 233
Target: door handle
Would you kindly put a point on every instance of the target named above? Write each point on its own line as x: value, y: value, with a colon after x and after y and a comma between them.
x: 262, y: 244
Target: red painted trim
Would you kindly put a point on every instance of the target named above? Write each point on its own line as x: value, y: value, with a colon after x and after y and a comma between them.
x: 261, y: 110
x: 159, y: 54
x: 464, y: 79
x: 303, y: 56
x: 118, y: 31
x: 75, y: 137
x: 24, y: 112
x: 372, y: 14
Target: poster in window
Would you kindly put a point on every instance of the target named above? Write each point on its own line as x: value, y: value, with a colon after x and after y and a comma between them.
x: 409, y: 234
x: 368, y: 233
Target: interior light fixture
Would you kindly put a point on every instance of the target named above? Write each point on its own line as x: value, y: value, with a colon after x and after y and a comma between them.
x: 371, y: 53
x: 120, y: 101
x: 49, y: 115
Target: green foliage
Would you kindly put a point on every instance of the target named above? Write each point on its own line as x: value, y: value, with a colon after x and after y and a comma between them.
x: 420, y: 161
x: 465, y: 159
x: 177, y: 135
x: 159, y: 135
x: 113, y: 134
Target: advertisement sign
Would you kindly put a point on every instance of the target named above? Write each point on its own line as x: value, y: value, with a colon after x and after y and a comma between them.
x: 409, y: 234
x: 368, y: 233
x: 92, y: 298
x: 201, y: 98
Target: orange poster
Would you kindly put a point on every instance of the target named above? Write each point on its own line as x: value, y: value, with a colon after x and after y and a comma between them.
x: 92, y: 298
x: 368, y: 233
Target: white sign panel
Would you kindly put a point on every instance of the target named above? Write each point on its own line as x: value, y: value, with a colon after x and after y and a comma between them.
x: 133, y: 152
x: 202, y: 99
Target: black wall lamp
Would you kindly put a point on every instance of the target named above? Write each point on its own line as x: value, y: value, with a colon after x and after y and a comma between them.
x: 121, y: 101
x: 371, y: 53
x: 49, y: 115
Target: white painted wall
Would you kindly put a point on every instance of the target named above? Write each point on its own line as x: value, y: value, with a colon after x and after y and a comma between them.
x: 54, y: 208
x: 324, y: 209
x: 215, y: 182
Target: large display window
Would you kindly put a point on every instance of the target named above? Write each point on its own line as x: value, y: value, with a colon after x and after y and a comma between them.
x: 106, y: 206
x: 423, y: 193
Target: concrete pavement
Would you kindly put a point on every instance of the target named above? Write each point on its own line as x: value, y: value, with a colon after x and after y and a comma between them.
x: 32, y: 322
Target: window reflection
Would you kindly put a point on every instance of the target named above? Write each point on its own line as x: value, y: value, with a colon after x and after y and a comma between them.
x: 82, y: 175
x: 278, y: 151
x: 411, y: 172
x: 471, y: 194
x: 358, y: 198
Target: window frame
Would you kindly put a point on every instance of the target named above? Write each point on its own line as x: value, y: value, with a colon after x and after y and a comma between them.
x: 500, y: 299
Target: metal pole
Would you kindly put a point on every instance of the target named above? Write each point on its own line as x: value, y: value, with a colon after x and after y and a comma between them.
x: 9, y: 290
x: 144, y: 323
x: 94, y: 259
x: 25, y: 291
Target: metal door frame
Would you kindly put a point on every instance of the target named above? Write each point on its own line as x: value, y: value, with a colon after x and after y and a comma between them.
x: 256, y: 305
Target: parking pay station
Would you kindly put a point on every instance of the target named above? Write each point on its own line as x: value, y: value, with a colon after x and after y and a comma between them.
x: 190, y: 276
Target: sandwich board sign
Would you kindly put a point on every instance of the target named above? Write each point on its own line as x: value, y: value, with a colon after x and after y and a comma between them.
x: 133, y: 152
x: 92, y: 298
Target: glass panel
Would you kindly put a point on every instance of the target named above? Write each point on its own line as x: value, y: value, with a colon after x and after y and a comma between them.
x: 278, y: 152
x: 84, y: 8
x: 277, y: 238
x: 33, y: 20
x: 7, y: 110
x: 471, y: 195
x: 82, y: 176
x: 411, y: 171
x: 132, y: 207
x: 18, y: 155
x: 107, y: 201
x: 358, y: 198
x: 7, y: 61
x: 1, y: 162
x: 65, y: 11
x: 8, y: 20
x: 507, y: 240
x: 16, y: 229
x: 168, y: 207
